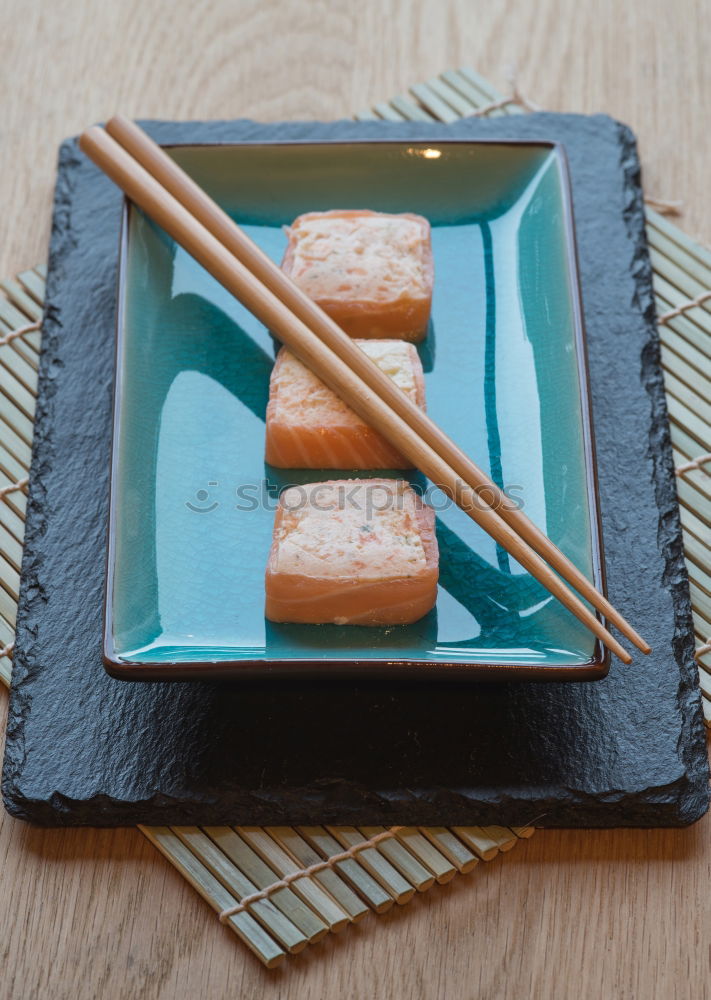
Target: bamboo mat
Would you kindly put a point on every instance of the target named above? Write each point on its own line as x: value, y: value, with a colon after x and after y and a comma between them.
x: 280, y: 889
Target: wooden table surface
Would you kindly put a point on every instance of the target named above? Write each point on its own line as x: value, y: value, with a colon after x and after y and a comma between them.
x: 88, y: 913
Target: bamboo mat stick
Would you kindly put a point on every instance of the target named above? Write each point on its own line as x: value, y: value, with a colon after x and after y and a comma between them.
x: 472, y: 93
x: 11, y: 550
x: 691, y: 323
x: 702, y: 600
x: 13, y: 316
x: 19, y: 297
x: 696, y: 408
x: 702, y: 628
x: 442, y: 869
x: 360, y: 880
x: 8, y: 607
x: 16, y: 341
x: 691, y: 425
x: 503, y: 836
x: 698, y: 552
x: 213, y: 892
x: 5, y: 666
x: 185, y: 228
x: 416, y: 425
x: 375, y: 864
x: 676, y: 274
x: 21, y: 397
x: 451, y: 96
x: 387, y: 112
x: 476, y: 838
x: 491, y: 94
x: 12, y: 466
x: 700, y: 556
x: 19, y: 356
x: 454, y: 79
x: 21, y: 360
x: 691, y: 499
x: 11, y: 415
x: 251, y: 865
x: 688, y: 453
x: 16, y: 362
x: 365, y: 116
x: 452, y: 848
x: 306, y: 888
x: 11, y: 523
x: 409, y: 110
x: 693, y: 468
x: 10, y: 577
x: 692, y: 400
x: 33, y: 283
x: 685, y: 242
x: 29, y: 356
x: 684, y: 314
x: 429, y: 99
x: 681, y: 280
x: 700, y: 528
x: 329, y: 879
x: 703, y: 540
x: 676, y: 379
x: 400, y: 857
x: 219, y: 865
x: 687, y: 363
x: 688, y: 340
x: 681, y: 329
x: 660, y: 238
x: 13, y: 496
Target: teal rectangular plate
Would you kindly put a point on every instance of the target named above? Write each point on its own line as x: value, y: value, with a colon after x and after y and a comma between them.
x: 192, y: 501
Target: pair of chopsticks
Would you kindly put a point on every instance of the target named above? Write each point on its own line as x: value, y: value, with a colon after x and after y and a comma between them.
x: 151, y: 179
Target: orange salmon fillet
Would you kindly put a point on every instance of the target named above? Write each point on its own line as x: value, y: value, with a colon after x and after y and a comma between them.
x: 309, y: 427
x: 352, y: 552
x: 371, y: 272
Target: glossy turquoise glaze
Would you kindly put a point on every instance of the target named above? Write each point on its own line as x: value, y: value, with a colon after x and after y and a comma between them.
x: 192, y: 500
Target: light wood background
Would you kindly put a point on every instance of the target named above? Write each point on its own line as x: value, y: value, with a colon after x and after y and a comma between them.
x: 85, y: 913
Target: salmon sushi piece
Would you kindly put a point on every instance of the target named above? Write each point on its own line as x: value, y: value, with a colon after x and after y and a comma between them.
x: 371, y: 272
x: 310, y: 427
x: 352, y: 552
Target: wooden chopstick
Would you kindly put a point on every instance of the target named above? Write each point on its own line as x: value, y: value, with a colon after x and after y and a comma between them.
x: 217, y: 221
x: 187, y: 230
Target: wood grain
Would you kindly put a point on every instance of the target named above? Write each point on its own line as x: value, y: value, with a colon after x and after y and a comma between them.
x: 86, y: 913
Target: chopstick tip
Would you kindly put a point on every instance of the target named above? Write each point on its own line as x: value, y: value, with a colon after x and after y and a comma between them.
x: 614, y: 646
x: 86, y: 137
x: 637, y: 639
x: 115, y: 122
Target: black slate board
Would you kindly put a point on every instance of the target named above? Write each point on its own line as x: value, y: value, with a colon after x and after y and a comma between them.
x: 85, y: 749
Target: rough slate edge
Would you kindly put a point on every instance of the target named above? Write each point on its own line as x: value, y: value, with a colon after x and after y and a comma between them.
x: 334, y: 800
